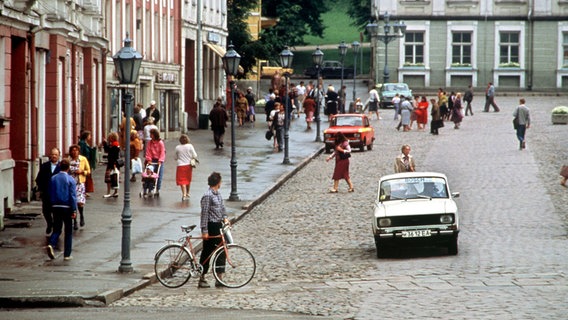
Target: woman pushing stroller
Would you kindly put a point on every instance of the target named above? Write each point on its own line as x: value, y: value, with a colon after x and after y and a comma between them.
x: 156, y: 155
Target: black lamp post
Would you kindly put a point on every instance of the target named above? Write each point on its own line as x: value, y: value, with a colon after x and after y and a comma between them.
x: 231, y: 61
x: 398, y: 28
x: 317, y: 59
x: 127, y: 64
x: 342, y: 51
x: 356, y: 46
x: 286, y: 57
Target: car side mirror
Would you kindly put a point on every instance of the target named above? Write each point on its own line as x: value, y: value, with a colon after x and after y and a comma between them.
x: 455, y: 194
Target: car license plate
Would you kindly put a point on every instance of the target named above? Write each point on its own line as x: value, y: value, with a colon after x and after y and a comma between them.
x: 416, y: 233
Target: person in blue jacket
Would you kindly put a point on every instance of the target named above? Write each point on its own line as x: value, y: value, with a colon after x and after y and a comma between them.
x: 63, y: 196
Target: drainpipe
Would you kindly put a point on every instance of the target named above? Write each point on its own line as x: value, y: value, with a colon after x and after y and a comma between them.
x: 199, y: 66
x: 530, y: 39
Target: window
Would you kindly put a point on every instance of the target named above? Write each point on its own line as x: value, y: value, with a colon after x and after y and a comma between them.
x: 414, y: 48
x: 509, y: 49
x: 461, y: 48
x: 565, y: 49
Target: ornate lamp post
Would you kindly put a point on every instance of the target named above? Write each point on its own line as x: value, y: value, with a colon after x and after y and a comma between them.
x: 286, y: 57
x: 356, y: 46
x: 398, y: 28
x: 342, y: 51
x: 231, y: 61
x: 317, y: 59
x: 127, y: 63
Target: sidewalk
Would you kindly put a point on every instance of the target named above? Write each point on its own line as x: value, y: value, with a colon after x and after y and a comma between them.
x: 30, y: 279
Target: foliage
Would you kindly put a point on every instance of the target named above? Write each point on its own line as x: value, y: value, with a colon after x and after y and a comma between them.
x: 359, y: 12
x: 239, y: 36
x: 296, y: 18
x: 338, y: 26
x: 560, y: 110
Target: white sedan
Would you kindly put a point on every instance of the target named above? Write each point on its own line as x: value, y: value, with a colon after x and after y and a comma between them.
x: 415, y: 208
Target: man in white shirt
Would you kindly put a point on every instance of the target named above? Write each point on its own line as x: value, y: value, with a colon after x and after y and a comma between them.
x: 301, y: 96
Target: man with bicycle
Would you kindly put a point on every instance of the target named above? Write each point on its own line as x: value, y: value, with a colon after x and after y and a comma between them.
x: 213, y: 216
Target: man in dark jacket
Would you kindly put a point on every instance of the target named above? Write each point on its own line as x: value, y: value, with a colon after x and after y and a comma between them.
x: 63, y: 195
x: 153, y: 112
x: 218, y: 117
x: 46, y: 171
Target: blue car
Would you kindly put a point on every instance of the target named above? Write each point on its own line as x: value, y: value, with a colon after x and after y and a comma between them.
x: 387, y: 91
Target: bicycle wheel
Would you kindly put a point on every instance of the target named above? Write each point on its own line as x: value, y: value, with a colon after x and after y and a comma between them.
x: 173, y: 265
x: 234, y: 269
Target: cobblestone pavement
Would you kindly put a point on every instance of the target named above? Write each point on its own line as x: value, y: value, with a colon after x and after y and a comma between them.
x: 316, y: 255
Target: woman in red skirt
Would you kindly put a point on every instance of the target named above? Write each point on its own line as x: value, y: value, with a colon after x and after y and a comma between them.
x: 342, y: 153
x: 184, y: 153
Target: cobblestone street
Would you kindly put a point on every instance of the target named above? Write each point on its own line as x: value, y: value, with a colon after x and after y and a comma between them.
x: 316, y: 255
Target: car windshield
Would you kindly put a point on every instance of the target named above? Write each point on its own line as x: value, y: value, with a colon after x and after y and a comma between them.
x: 412, y: 188
x: 349, y: 121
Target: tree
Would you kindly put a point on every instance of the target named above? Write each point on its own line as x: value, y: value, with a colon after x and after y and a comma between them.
x: 360, y: 12
x: 238, y: 12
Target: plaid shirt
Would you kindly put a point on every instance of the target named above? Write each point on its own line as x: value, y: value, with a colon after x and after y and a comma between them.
x: 212, y: 209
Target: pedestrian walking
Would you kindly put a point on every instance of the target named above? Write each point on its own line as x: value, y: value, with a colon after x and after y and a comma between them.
x: 135, y: 162
x: 421, y: 112
x: 331, y: 102
x: 153, y: 112
x: 213, y: 216
x: 404, y: 162
x: 79, y: 169
x: 218, y: 117
x: 309, y: 108
x: 277, y: 119
x: 437, y: 122
x: 251, y: 100
x: 139, y: 120
x: 490, y: 98
x: 374, y: 104
x: 149, y: 125
x: 341, y: 153
x: 521, y: 121
x: 43, y: 179
x: 63, y: 197
x: 301, y: 92
x: 396, y: 104
x: 457, y: 115
x: 185, y: 155
x: 241, y: 107
x: 468, y: 98
x: 112, y: 148
x: 342, y: 98
x: 405, y: 111
x: 156, y: 155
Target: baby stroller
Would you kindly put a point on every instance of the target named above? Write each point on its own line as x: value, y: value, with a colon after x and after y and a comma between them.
x: 150, y: 181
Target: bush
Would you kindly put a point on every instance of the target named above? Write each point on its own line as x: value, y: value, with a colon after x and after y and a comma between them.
x: 560, y: 110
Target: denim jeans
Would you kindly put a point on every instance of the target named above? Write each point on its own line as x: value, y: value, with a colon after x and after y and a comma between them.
x: 61, y: 217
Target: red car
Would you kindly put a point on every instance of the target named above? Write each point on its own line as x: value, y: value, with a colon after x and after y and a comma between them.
x: 356, y: 127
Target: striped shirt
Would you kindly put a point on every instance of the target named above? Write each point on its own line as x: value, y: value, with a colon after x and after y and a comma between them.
x: 212, y: 209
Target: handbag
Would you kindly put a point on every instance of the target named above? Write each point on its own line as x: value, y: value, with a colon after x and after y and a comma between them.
x: 89, y: 184
x: 344, y: 156
x: 516, y: 123
x: 119, y: 163
x: 193, y: 162
x: 268, y: 135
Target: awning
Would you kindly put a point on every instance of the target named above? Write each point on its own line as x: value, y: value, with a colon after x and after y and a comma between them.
x: 220, y: 51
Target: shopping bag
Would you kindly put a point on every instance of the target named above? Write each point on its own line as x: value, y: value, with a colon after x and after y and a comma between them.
x: 114, y: 175
x: 89, y: 184
x: 136, y: 165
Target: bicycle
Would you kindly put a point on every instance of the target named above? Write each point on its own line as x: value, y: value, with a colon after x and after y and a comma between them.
x: 233, y: 266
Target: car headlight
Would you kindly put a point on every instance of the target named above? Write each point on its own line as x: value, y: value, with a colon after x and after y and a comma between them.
x: 446, y: 218
x: 327, y: 135
x: 384, y: 222
x: 357, y: 135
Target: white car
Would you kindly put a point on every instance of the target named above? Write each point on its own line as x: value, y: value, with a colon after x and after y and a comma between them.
x: 415, y: 208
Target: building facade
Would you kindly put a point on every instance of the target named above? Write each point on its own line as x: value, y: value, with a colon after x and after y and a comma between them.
x: 516, y: 44
x: 52, y: 58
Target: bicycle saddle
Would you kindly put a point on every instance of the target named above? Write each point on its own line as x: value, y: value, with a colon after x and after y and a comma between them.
x: 188, y: 229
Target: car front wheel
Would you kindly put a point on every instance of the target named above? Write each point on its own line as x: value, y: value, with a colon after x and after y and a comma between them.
x: 453, y: 246
x: 381, y: 250
x: 370, y: 146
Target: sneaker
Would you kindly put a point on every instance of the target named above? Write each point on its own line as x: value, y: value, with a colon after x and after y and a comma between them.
x: 68, y: 258
x: 82, y: 223
x: 50, y: 252
x: 107, y: 196
x: 75, y: 226
x: 203, y: 284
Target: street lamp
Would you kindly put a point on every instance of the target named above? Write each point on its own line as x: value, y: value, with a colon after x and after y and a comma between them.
x: 317, y: 59
x: 342, y: 51
x: 286, y: 57
x: 356, y: 46
x: 398, y: 28
x: 231, y: 61
x: 127, y: 65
